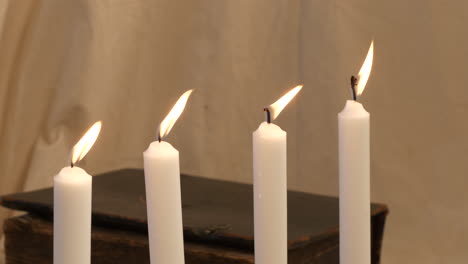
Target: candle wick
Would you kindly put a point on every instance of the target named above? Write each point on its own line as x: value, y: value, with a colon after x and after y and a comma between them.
x: 159, y: 136
x: 71, y: 164
x: 354, y: 82
x: 268, y: 115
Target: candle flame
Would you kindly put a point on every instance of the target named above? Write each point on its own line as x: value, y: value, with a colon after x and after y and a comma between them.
x: 168, y: 122
x: 365, y: 70
x: 278, y: 106
x: 86, y: 142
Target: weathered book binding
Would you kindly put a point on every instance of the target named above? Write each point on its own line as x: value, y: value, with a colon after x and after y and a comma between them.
x: 217, y: 216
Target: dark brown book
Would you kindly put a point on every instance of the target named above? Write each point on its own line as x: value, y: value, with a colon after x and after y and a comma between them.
x: 217, y: 217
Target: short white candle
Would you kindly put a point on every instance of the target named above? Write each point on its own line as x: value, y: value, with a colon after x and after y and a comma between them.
x: 163, y: 199
x: 72, y: 207
x: 270, y: 187
x: 354, y: 170
x: 163, y: 196
x: 269, y: 155
x: 72, y: 216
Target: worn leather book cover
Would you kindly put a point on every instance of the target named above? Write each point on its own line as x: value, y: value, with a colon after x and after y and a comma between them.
x: 217, y: 215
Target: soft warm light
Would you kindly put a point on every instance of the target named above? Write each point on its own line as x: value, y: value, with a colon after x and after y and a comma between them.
x: 278, y: 106
x: 171, y: 118
x: 365, y: 70
x: 85, y: 143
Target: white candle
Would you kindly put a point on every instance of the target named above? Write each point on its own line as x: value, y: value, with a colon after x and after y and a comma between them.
x: 270, y: 187
x: 163, y: 197
x: 72, y: 216
x: 270, y: 208
x: 354, y: 170
x: 353, y: 123
x: 163, y: 201
x: 72, y: 207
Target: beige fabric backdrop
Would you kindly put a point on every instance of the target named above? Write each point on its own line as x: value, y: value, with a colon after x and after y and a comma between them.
x: 66, y: 64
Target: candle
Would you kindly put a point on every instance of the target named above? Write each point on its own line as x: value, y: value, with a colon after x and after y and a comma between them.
x: 270, y: 187
x: 354, y: 170
x: 72, y: 206
x: 163, y: 199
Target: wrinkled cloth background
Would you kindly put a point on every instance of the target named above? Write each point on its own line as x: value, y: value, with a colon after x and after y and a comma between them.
x: 66, y: 64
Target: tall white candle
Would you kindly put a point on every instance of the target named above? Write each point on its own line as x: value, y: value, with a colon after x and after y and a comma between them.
x: 270, y: 187
x: 354, y: 170
x: 163, y: 197
x: 353, y: 123
x: 72, y: 207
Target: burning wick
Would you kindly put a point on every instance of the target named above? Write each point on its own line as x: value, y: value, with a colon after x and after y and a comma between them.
x: 272, y: 111
x: 159, y: 135
x: 354, y: 82
x: 268, y: 115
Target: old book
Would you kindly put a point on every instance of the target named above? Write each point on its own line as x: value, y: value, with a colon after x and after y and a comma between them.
x: 217, y: 216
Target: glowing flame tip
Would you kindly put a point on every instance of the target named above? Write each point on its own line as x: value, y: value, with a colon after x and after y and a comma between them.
x: 85, y: 143
x: 278, y: 106
x: 365, y: 70
x: 168, y: 122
